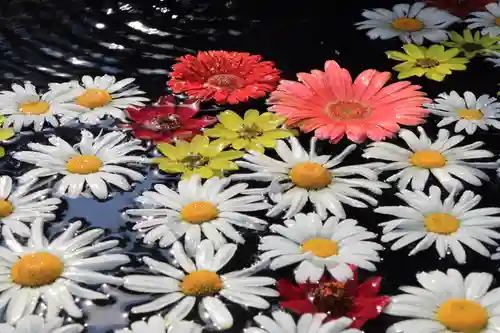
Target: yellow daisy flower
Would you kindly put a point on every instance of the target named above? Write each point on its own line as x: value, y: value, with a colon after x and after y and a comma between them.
x: 434, y: 62
x: 254, y: 132
x: 473, y: 45
x: 196, y: 157
x: 5, y: 134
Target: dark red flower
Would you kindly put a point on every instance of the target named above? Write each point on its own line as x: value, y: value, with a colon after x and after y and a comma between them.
x: 227, y: 77
x: 460, y: 7
x: 360, y: 302
x: 166, y: 120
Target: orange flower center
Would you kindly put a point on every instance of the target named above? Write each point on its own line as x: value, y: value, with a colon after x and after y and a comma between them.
x: 36, y: 269
x: 310, y: 176
x: 94, y: 98
x: 6, y: 208
x: 441, y: 223
x: 470, y: 114
x: 34, y: 108
x: 201, y: 283
x: 462, y: 315
x: 83, y: 164
x: 346, y: 110
x: 428, y: 159
x: 407, y: 24
x: 427, y: 63
x: 320, y: 247
x: 199, y: 212
x: 225, y: 81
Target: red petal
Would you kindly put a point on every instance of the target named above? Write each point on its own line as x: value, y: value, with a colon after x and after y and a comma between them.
x: 370, y: 287
x: 288, y: 291
x: 186, y: 112
x: 367, y: 309
x: 143, y: 133
x: 198, y: 123
x: 299, y: 306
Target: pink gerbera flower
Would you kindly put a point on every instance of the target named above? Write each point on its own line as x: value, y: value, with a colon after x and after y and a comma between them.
x: 330, y: 104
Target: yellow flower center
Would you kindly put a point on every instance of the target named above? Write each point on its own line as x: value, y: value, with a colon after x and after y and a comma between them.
x: 201, y: 283
x: 320, y: 247
x: 83, y: 164
x: 6, y: 208
x: 34, y: 108
x: 441, y: 223
x: 310, y: 176
x: 427, y: 63
x: 199, y: 212
x: 344, y: 110
x: 428, y: 159
x: 462, y: 315
x: 225, y: 81
x: 407, y: 24
x: 250, y: 132
x: 36, y: 269
x: 94, y: 98
x: 470, y: 114
x: 497, y: 21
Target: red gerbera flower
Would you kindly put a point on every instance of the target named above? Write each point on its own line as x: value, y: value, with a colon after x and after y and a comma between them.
x: 350, y: 299
x: 227, y: 77
x: 460, y: 7
x: 166, y: 120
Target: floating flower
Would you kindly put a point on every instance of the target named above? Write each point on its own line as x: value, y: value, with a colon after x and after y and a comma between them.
x: 435, y: 62
x: 488, y: 21
x: 201, y: 282
x: 227, y: 77
x: 212, y: 208
x: 459, y: 7
x: 24, y: 204
x: 87, y: 166
x: 166, y: 121
x: 472, y: 46
x: 331, y: 245
x: 447, y: 224
x: 311, y: 177
x: 359, y: 302
x: 411, y: 23
x: 447, y: 303
x: 24, y: 106
x: 330, y: 104
x: 38, y: 324
x: 100, y: 97
x: 468, y: 112
x: 156, y: 324
x: 282, y: 322
x: 442, y: 158
x: 254, y: 132
x: 53, y: 271
x: 196, y: 157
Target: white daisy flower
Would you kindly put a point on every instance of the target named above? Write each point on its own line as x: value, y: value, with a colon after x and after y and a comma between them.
x: 37, y: 324
x: 211, y: 209
x: 468, y: 112
x: 282, y: 322
x: 488, y: 21
x: 442, y: 158
x: 311, y: 177
x: 447, y: 303
x: 156, y: 324
x: 495, y: 59
x: 199, y: 280
x: 52, y: 271
x: 24, y: 204
x: 411, y: 23
x: 24, y: 107
x: 89, y: 165
x: 102, y: 96
x: 444, y: 223
x: 331, y: 245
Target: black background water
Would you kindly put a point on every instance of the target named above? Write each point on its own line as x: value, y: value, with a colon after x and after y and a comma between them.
x: 53, y: 41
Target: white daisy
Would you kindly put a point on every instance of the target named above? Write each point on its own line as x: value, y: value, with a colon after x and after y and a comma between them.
x: 445, y: 223
x: 495, y: 59
x: 89, y: 165
x: 311, y: 177
x: 102, y: 96
x: 51, y: 271
x: 282, y: 322
x: 201, y: 282
x: 194, y: 209
x: 156, y: 324
x: 447, y: 303
x: 411, y: 23
x: 23, y: 204
x: 331, y: 245
x: 488, y: 21
x: 37, y: 324
x: 468, y: 112
x: 441, y: 158
x: 24, y: 107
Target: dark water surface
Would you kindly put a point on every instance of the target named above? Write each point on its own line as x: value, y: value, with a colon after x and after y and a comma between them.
x: 54, y: 41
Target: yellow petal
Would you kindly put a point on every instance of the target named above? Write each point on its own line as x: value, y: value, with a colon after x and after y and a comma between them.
x: 229, y: 155
x: 255, y: 146
x: 222, y: 165
x: 2, y: 151
x: 434, y: 75
x: 447, y: 55
x: 264, y: 141
x: 2, y: 119
x: 210, y: 151
x: 231, y: 120
x: 396, y: 55
x: 240, y: 143
x: 251, y: 116
x: 204, y: 172
x: 269, y: 121
x: 277, y: 134
x: 404, y: 66
x: 456, y: 37
x: 415, y: 71
x: 198, y: 144
x: 220, y: 133
x: 6, y: 133
x: 435, y: 52
x: 168, y: 150
x: 183, y: 149
x: 223, y: 143
x: 468, y: 36
x: 172, y: 167
x: 413, y: 51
